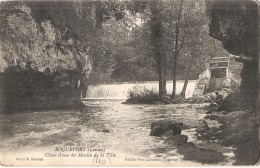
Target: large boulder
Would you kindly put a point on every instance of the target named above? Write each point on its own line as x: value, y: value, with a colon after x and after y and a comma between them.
x: 158, y: 128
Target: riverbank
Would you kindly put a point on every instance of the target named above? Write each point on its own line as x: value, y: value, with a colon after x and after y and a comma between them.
x: 152, y: 97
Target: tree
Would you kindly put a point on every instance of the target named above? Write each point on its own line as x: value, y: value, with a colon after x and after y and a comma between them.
x: 124, y: 48
x: 177, y: 48
x: 156, y: 26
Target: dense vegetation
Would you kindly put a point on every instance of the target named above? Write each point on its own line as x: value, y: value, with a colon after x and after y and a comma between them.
x: 141, y: 45
x: 116, y: 40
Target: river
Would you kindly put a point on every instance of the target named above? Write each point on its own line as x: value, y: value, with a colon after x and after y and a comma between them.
x: 106, y: 124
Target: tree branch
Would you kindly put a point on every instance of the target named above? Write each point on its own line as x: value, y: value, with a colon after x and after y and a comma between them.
x: 182, y: 42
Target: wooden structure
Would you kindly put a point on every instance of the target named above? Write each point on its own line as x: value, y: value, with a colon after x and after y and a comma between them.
x: 217, y: 70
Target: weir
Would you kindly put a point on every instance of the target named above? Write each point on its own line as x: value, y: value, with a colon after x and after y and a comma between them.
x: 120, y: 90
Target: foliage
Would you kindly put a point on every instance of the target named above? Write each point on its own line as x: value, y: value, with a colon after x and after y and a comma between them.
x: 116, y: 35
x: 142, y: 95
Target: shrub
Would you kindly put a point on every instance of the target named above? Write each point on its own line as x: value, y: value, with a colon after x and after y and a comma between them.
x: 142, y: 95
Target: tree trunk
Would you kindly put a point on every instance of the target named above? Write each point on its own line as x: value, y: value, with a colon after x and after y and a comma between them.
x: 184, y: 87
x: 186, y: 79
x: 176, y: 51
x: 174, y: 78
x: 175, y: 59
x: 157, y: 43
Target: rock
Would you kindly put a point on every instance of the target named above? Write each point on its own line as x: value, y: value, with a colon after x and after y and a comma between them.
x: 202, y: 127
x: 207, y: 117
x: 185, y: 127
x: 239, y: 132
x: 212, y: 134
x: 189, y: 106
x: 210, y: 97
x: 234, y: 102
x: 212, y: 107
x: 243, y: 154
x: 212, y: 117
x: 196, y: 100
x: 185, y: 148
x: 176, y: 140
x: 160, y: 127
x: 235, y: 117
x: 105, y: 130
x: 166, y: 101
x: 217, y: 116
x: 192, y: 152
x: 168, y: 134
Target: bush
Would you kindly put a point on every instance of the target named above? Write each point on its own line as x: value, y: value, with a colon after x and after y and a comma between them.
x: 142, y: 95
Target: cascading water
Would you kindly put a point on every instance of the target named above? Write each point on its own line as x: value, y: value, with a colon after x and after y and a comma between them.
x: 120, y: 90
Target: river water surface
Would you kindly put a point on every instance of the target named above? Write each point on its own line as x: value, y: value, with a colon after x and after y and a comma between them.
x: 102, y: 123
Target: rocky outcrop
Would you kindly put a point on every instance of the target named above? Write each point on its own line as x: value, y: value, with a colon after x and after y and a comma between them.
x: 44, y: 61
x: 236, y: 24
x: 237, y: 129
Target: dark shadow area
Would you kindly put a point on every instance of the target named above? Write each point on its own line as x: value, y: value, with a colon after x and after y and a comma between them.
x: 236, y: 25
x: 33, y: 90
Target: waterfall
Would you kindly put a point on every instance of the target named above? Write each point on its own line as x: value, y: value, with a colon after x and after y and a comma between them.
x: 120, y: 90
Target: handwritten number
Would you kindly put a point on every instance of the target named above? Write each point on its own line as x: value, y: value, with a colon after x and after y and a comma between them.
x: 99, y: 161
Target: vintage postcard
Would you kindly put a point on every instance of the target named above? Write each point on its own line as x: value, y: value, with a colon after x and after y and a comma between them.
x: 129, y: 82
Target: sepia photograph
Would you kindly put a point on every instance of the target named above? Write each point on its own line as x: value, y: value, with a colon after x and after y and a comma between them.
x: 129, y: 83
